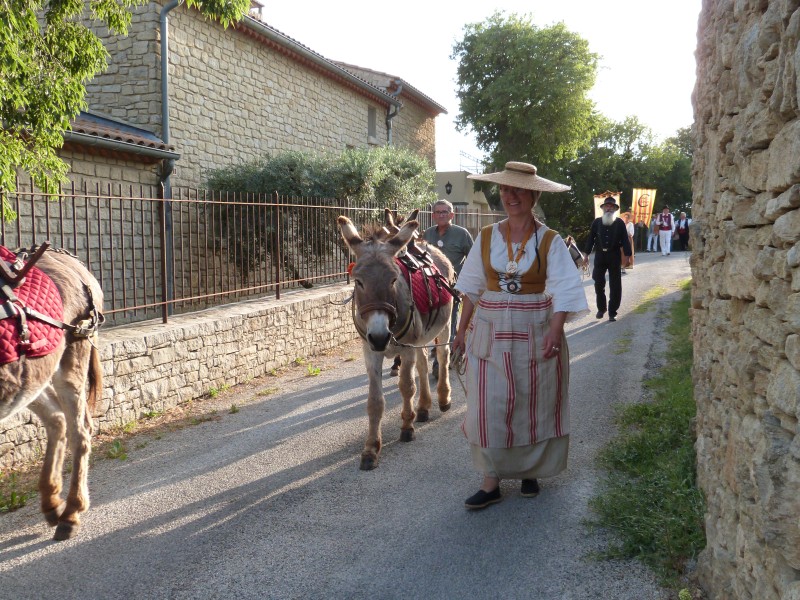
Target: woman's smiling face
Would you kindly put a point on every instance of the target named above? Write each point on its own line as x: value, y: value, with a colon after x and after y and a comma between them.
x: 516, y: 201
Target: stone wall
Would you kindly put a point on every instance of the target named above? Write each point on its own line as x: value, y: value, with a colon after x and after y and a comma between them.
x: 234, y: 98
x: 746, y: 296
x: 154, y: 367
x: 96, y: 171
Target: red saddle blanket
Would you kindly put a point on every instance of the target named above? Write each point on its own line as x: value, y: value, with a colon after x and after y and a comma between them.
x: 439, y: 296
x: 39, y: 293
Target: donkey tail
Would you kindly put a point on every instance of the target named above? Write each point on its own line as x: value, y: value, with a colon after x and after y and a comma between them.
x: 95, y: 384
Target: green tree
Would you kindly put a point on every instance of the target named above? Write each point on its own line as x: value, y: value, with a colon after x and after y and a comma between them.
x: 675, y: 182
x: 47, y: 54
x: 619, y: 156
x: 523, y: 90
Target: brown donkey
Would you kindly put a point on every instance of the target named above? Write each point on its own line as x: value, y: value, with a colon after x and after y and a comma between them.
x: 389, y: 324
x: 53, y: 386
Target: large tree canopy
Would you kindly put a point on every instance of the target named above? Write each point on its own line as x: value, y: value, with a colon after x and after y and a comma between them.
x: 47, y: 54
x: 619, y: 157
x: 524, y: 90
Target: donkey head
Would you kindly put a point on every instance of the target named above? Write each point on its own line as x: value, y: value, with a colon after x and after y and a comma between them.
x: 382, y: 297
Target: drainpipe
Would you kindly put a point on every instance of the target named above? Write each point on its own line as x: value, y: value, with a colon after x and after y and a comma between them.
x: 392, y: 114
x: 168, y: 165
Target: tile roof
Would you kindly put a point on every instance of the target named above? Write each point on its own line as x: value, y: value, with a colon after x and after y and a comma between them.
x: 109, y: 129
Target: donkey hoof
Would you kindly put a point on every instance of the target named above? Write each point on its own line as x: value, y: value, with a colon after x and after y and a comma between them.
x: 445, y: 407
x: 52, y: 516
x: 406, y: 435
x: 368, y: 463
x: 422, y: 416
x: 65, y: 531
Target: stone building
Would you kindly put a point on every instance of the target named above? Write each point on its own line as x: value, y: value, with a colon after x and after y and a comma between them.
x: 233, y: 95
x: 746, y: 296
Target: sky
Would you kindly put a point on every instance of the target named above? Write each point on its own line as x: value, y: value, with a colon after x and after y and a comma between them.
x: 647, y: 65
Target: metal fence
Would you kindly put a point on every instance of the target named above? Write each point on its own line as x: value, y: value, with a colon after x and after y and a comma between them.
x: 199, y: 249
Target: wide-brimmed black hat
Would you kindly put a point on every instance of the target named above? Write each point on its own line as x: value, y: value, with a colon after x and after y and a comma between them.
x: 609, y: 200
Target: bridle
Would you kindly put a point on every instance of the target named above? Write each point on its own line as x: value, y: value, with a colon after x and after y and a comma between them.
x: 391, y: 310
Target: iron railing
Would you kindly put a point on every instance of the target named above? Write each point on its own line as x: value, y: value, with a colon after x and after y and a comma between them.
x: 200, y: 249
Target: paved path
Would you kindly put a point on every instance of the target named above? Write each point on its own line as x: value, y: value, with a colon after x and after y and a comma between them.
x: 268, y: 502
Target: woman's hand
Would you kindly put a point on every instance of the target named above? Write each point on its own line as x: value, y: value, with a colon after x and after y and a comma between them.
x: 458, y: 343
x: 551, y: 345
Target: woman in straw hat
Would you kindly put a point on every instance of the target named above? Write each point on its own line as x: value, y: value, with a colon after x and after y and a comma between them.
x: 520, y: 286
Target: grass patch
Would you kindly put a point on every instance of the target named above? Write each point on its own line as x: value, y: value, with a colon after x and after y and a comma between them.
x: 14, y: 491
x: 312, y: 371
x: 650, y: 499
x: 267, y: 392
x: 649, y: 299
x: 116, y: 449
x: 623, y: 343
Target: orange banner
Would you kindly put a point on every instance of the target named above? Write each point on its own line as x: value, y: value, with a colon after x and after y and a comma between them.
x: 600, y: 198
x: 642, y: 205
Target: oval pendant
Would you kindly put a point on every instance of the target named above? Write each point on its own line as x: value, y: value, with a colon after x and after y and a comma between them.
x: 511, y: 267
x: 440, y: 243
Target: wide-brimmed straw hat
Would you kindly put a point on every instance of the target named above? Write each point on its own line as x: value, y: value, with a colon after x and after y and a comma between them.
x: 521, y: 175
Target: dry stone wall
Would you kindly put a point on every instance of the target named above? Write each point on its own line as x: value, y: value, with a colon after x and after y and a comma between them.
x: 746, y: 296
x: 154, y: 367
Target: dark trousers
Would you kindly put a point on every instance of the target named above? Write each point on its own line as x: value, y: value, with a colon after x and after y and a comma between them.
x: 683, y: 242
x: 608, y: 262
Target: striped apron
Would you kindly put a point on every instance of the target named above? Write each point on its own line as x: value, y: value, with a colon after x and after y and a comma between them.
x: 517, y: 418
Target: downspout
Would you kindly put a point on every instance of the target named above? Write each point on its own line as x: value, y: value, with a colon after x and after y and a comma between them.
x: 168, y: 165
x: 391, y: 115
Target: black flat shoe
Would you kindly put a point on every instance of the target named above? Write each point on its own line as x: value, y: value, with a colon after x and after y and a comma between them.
x: 612, y: 318
x: 600, y: 314
x: 483, y: 499
x: 530, y: 488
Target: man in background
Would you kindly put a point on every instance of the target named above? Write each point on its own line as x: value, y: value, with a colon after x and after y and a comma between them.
x: 455, y: 242
x: 666, y: 226
x: 652, y: 236
x: 682, y: 231
x: 608, y: 235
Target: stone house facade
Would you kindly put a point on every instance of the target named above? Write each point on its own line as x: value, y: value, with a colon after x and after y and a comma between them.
x: 746, y: 296
x: 235, y: 94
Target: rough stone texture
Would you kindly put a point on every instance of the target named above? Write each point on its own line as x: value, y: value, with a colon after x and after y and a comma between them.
x: 234, y: 97
x: 154, y: 367
x: 745, y: 302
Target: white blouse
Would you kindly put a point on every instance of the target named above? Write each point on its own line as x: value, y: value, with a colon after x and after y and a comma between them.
x: 563, y: 281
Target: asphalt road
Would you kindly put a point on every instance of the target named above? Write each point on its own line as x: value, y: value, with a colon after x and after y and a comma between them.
x: 268, y: 502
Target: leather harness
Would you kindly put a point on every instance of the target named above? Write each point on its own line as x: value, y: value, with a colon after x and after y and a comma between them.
x: 412, y: 260
x: 13, y: 275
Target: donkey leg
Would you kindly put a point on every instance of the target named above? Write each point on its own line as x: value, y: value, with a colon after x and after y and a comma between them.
x: 424, y: 404
x: 407, y: 392
x: 443, y: 385
x: 375, y: 408
x: 50, y: 480
x: 69, y: 384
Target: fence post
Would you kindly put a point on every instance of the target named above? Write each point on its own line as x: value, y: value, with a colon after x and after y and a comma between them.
x: 165, y: 291
x: 278, y: 259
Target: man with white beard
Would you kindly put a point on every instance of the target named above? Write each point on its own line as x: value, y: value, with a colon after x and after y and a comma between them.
x: 608, y: 235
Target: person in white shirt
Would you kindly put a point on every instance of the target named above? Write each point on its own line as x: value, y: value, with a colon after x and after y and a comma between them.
x: 666, y: 225
x: 682, y: 231
x: 652, y: 236
x: 520, y: 286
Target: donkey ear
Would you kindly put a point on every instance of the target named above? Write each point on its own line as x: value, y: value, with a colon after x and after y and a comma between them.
x: 349, y: 232
x: 412, y: 216
x: 388, y: 218
x: 402, y: 237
